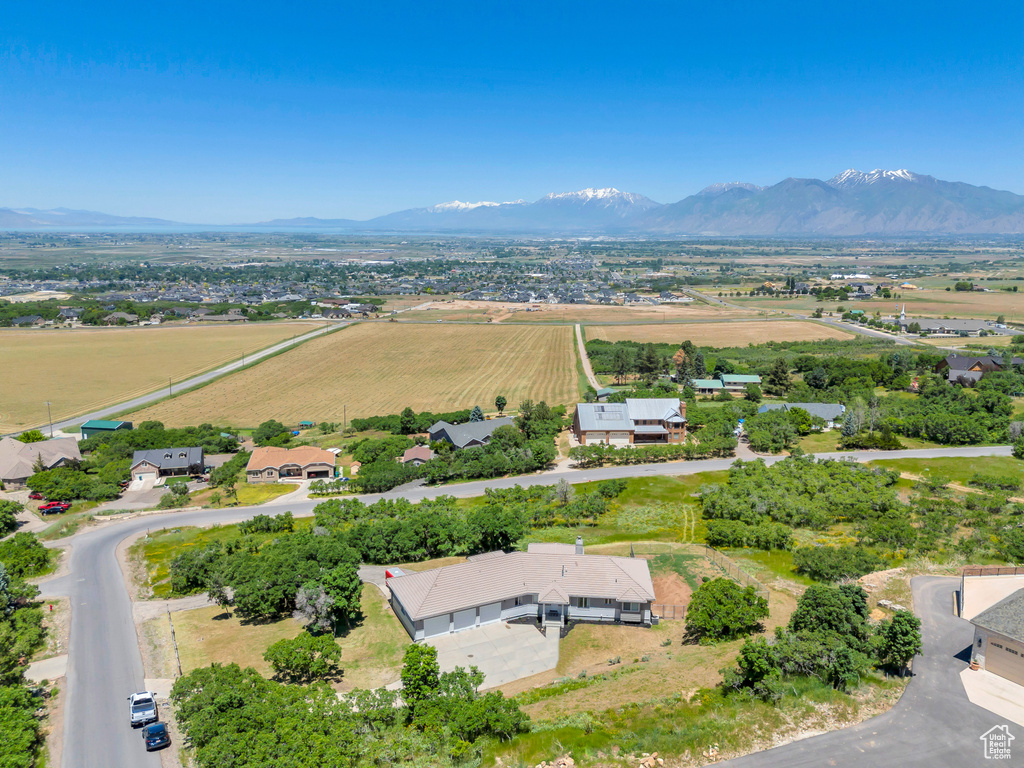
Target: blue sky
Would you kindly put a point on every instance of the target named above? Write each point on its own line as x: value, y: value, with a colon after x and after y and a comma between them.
x: 230, y: 112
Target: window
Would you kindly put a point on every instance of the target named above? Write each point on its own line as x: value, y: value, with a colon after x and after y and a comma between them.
x: 583, y: 602
x: 631, y: 607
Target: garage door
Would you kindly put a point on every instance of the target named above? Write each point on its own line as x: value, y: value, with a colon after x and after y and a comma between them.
x: 618, y: 438
x: 1006, y: 659
x: 490, y: 613
x: 465, y: 619
x: 436, y: 625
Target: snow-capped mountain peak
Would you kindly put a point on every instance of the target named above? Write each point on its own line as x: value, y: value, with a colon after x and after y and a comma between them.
x: 588, y: 194
x: 458, y: 205
x: 719, y: 188
x: 853, y: 178
x: 606, y: 197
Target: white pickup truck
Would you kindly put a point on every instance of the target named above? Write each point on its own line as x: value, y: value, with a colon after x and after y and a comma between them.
x: 142, y: 708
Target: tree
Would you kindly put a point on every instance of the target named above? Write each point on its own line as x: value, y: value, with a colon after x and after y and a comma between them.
x: 816, y: 378
x: 1018, y: 448
x: 305, y: 658
x: 753, y: 393
x: 6, y: 596
x: 420, y: 675
x: 407, y: 421
x: 271, y: 432
x: 700, y: 368
x: 849, y: 427
x: 622, y: 363
x: 777, y: 381
x: 345, y: 589
x: 564, y: 492
x: 901, y: 640
x: 722, y: 610
x: 500, y: 402
x: 32, y: 436
x: 476, y: 414
x: 8, y: 515
x: 314, y: 607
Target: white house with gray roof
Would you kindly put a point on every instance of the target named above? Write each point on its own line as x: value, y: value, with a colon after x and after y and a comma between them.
x: 550, y: 583
x: 637, y: 421
x: 830, y: 413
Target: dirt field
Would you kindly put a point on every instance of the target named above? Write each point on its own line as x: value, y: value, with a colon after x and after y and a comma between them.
x: 380, y: 368
x: 83, y: 369
x: 719, y: 334
x: 499, y: 312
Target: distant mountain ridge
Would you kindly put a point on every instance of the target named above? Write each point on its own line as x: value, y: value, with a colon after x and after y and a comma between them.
x: 851, y: 203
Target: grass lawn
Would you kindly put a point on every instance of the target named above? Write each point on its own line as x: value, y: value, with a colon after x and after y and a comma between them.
x: 258, y: 493
x: 956, y: 470
x: 778, y: 563
x: 371, y: 652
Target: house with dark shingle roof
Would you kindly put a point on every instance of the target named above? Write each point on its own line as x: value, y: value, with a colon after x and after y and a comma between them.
x: 999, y: 638
x: 468, y: 435
x: 830, y: 413
x: 166, y: 462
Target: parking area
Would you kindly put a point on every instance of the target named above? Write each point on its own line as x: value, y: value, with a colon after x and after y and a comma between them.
x: 503, y: 652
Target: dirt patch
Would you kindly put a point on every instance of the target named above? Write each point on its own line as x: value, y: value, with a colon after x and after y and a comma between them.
x: 671, y: 590
x: 57, y: 623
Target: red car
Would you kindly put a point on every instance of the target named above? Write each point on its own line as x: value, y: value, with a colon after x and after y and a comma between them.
x: 55, y: 506
x: 36, y: 495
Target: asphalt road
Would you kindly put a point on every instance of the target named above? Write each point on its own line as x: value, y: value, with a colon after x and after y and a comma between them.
x: 933, y: 725
x: 105, y: 664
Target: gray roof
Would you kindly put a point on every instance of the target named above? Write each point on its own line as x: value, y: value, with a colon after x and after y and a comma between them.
x: 461, y: 435
x: 1005, y: 617
x: 501, y: 576
x: 17, y: 459
x: 825, y: 411
x: 603, y: 417
x: 953, y: 375
x: 170, y: 458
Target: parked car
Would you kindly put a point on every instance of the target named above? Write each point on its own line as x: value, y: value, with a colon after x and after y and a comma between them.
x: 55, y: 507
x: 36, y: 495
x: 124, y: 484
x: 142, y: 708
x: 156, y: 736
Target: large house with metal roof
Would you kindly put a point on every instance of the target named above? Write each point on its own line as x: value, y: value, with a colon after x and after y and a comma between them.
x: 552, y: 583
x: 999, y: 638
x: 830, y: 413
x: 638, y: 421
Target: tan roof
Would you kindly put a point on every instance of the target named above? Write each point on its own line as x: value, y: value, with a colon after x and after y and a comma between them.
x: 275, y: 458
x: 503, y: 576
x: 18, y: 458
x: 421, y: 452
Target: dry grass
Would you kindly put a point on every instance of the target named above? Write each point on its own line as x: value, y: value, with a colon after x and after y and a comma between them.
x: 371, y: 653
x: 380, y: 368
x: 731, y: 334
x: 498, y: 312
x: 83, y: 369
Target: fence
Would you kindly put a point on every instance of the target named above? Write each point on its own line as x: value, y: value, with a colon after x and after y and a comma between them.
x: 663, y: 611
x: 734, y: 572
x: 994, y: 570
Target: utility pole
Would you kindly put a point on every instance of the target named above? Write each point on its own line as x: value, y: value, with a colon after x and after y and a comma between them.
x: 49, y: 417
x: 169, y: 391
x: 344, y: 425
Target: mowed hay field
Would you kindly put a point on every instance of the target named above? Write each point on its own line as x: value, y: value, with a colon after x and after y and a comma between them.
x: 380, y: 368
x: 83, y: 369
x: 734, y: 334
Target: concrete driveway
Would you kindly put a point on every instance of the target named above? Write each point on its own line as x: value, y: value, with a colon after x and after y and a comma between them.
x: 503, y: 652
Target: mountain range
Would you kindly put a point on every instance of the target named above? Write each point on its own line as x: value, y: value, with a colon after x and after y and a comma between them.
x: 851, y: 203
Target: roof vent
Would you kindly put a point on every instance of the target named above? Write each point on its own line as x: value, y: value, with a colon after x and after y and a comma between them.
x: 579, y: 545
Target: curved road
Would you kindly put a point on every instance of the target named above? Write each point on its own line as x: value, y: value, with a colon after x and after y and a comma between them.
x: 105, y: 664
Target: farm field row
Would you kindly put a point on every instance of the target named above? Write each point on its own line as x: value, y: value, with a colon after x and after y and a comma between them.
x: 498, y: 312
x: 380, y: 368
x: 719, y: 334
x: 83, y: 369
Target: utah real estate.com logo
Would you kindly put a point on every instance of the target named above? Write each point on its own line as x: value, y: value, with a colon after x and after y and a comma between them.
x: 997, y: 742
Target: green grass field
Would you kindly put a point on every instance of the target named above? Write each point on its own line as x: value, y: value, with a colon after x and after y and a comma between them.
x: 955, y: 470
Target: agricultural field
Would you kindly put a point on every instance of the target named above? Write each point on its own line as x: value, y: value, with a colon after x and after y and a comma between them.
x: 380, y: 368
x: 713, y: 334
x: 83, y: 369
x: 501, y: 312
x: 927, y: 302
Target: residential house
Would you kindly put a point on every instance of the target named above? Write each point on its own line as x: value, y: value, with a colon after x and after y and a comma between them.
x: 830, y: 413
x: 636, y: 421
x: 306, y: 462
x: 707, y: 386
x: 736, y: 382
x: 101, y: 426
x: 417, y: 455
x: 167, y: 462
x: 69, y: 314
x: 999, y: 638
x: 33, y: 320
x: 116, y: 318
x: 18, y: 460
x: 468, y: 435
x: 550, y: 583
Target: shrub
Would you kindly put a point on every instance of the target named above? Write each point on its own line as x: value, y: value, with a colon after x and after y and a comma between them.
x: 305, y: 658
x: 722, y: 610
x: 830, y: 564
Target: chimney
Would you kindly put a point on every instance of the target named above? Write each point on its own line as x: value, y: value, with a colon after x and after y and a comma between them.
x: 579, y: 545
